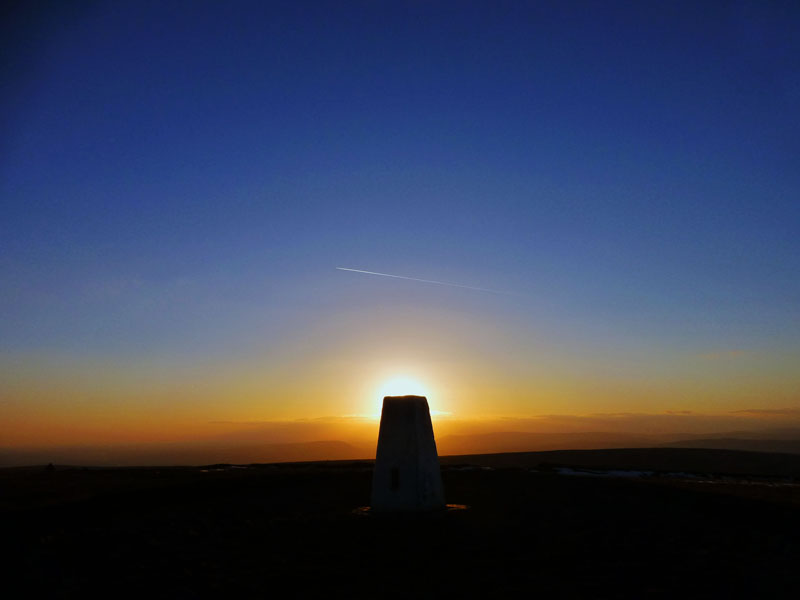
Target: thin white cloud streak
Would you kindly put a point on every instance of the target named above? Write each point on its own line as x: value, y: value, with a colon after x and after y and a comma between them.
x: 458, y: 285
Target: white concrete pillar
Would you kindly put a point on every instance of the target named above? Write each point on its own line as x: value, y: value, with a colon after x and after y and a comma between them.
x: 407, y: 475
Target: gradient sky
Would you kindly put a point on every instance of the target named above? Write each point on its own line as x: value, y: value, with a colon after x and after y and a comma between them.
x: 180, y: 180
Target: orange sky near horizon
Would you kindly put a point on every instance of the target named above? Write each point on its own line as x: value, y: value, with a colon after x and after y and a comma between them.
x: 102, y: 401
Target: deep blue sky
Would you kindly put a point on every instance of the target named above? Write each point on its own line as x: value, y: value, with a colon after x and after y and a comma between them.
x: 181, y: 178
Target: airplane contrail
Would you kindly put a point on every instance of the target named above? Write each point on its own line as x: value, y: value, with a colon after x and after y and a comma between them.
x: 458, y: 285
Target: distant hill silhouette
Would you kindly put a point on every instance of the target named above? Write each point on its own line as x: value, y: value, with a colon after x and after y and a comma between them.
x: 690, y: 460
x: 516, y: 441
x: 183, y: 454
x: 753, y: 445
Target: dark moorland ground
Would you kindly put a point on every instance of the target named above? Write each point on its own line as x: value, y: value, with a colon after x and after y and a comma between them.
x: 700, y: 523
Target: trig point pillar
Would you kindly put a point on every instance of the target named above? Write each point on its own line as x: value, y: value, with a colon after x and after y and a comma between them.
x: 407, y: 475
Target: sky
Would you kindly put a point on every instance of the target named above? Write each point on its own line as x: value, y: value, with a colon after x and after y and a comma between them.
x: 182, y: 182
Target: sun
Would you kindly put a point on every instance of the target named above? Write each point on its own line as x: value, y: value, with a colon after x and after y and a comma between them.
x: 403, y: 386
x: 400, y: 385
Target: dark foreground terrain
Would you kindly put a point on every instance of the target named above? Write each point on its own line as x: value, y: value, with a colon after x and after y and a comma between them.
x: 606, y: 524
